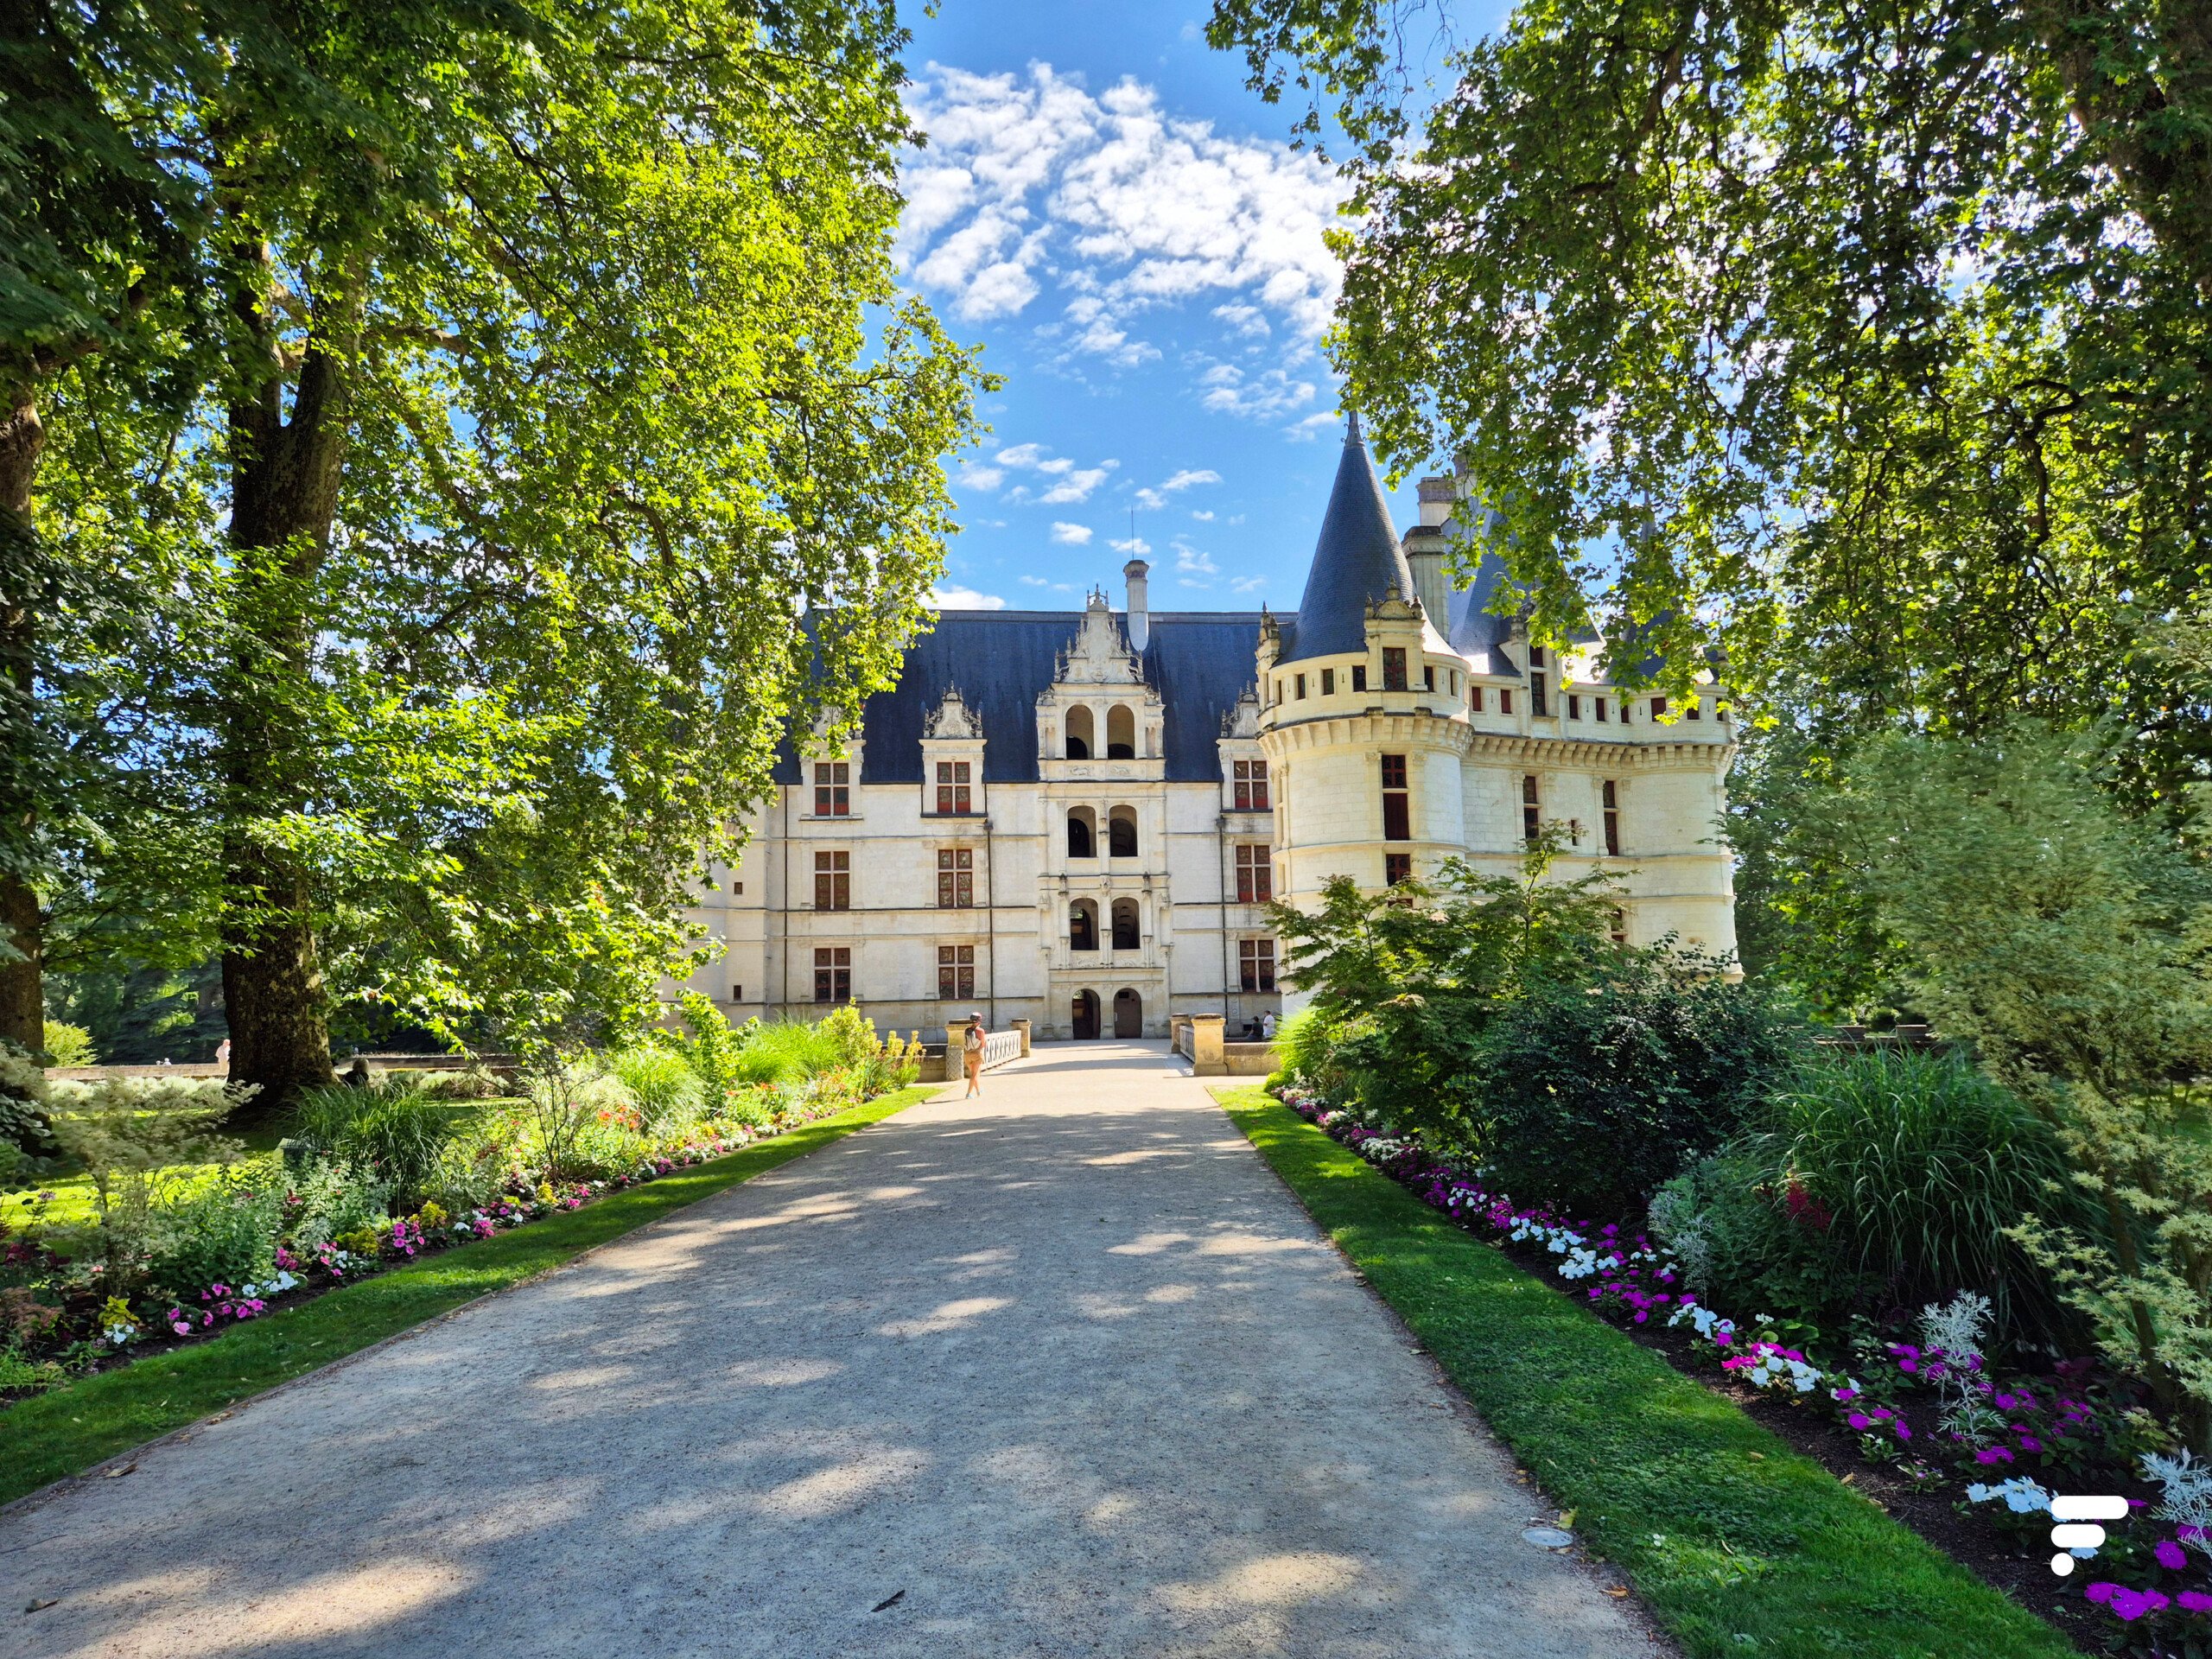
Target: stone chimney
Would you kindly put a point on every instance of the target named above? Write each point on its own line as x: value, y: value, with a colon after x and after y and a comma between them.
x: 1139, y: 619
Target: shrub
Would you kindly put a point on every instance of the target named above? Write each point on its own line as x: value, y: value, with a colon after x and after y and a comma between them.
x: 1913, y: 1166
x: 133, y: 1137
x: 711, y: 1047
x: 330, y: 1197
x: 224, y: 1233
x: 1306, y: 1042
x: 1588, y: 1094
x: 477, y: 1082
x: 848, y: 1036
x: 784, y: 1050
x: 663, y: 1087
x: 68, y: 1045
x: 391, y: 1128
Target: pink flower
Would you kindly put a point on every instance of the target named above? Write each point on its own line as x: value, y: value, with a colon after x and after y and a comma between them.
x: 1860, y: 1419
x: 182, y: 1327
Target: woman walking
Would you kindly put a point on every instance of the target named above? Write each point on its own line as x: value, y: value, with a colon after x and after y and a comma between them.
x: 971, y: 1044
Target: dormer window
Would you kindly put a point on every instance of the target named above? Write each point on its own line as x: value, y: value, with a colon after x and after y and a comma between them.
x: 1251, y: 781
x: 1536, y: 705
x: 833, y: 796
x: 1394, y: 668
x: 951, y: 787
x: 1079, y: 734
x: 1536, y: 656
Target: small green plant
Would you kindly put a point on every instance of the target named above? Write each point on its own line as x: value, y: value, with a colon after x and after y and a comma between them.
x: 330, y: 1197
x: 664, y: 1089
x: 134, y: 1138
x: 784, y: 1050
x: 1913, y: 1166
x: 391, y: 1128
x: 849, y: 1036
x: 224, y: 1233
x: 475, y: 1082
x: 21, y: 1374
x: 710, y: 1047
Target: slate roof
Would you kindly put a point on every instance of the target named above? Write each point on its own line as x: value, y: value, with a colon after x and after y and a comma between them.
x: 1200, y: 662
x: 1357, y: 560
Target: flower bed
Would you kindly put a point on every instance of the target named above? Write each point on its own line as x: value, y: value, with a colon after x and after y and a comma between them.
x: 1929, y: 1416
x: 92, y: 1330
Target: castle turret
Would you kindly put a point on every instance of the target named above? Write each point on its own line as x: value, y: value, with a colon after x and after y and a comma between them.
x: 1363, y: 713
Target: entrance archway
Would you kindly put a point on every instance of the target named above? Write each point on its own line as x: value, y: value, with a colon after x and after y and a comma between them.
x: 1129, y: 1013
x: 1086, y: 1015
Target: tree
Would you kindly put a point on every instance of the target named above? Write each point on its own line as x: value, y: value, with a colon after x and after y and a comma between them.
x: 1873, y: 340
x: 98, y: 242
x: 563, y: 371
x: 1411, y: 974
x: 2072, y: 945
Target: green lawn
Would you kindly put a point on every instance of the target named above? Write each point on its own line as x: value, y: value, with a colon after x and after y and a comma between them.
x: 73, y: 1428
x: 1739, y: 1545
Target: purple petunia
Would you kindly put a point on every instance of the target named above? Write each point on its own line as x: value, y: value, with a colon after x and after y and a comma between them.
x: 2170, y: 1555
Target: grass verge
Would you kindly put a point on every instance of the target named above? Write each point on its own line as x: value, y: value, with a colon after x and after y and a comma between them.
x: 1739, y: 1545
x: 68, y: 1430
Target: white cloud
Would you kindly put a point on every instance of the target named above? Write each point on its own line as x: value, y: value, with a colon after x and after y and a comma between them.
x: 1030, y: 180
x: 964, y: 598
x: 1267, y: 396
x: 1313, y: 426
x: 1190, y: 562
x: 1074, y: 487
x: 1188, y: 477
x: 1069, y: 536
x: 1136, y: 547
x: 1040, y: 581
x: 1247, y: 584
x: 981, y: 477
x: 1151, y: 500
x: 1204, y: 518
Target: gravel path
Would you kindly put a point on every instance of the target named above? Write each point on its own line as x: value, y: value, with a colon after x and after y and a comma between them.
x: 1062, y: 1371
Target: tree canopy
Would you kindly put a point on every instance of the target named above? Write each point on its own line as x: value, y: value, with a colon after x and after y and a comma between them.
x: 556, y: 371
x: 1874, y: 342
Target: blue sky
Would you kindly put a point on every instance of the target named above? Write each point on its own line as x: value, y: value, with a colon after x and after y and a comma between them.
x: 1106, y: 208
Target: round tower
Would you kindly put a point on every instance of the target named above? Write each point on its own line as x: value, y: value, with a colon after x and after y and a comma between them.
x: 1362, y: 709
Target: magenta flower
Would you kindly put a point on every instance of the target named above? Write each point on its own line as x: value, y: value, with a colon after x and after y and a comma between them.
x: 2195, y: 1601
x: 2170, y: 1555
x: 1860, y: 1419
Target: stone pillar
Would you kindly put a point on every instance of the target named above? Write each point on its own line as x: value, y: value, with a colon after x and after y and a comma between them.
x: 955, y: 1052
x: 1206, y: 1058
x: 1022, y: 1030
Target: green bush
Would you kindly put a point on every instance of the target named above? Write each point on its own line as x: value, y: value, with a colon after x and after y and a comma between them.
x: 784, y: 1050
x: 664, y: 1088
x: 1912, y: 1165
x: 68, y: 1045
x: 1306, y: 1042
x: 710, y: 1047
x: 391, y: 1130
x: 475, y: 1083
x: 849, y: 1037
x: 330, y: 1199
x: 224, y: 1233
x: 1585, y: 1094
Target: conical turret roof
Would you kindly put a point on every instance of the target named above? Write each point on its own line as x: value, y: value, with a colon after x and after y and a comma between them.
x: 1356, y: 560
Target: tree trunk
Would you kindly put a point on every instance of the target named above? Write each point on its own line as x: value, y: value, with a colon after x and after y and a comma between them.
x: 22, y: 992
x: 284, y: 479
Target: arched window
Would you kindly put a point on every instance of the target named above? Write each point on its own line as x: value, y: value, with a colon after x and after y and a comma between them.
x: 1125, y: 924
x: 1120, y: 733
x: 1083, y: 833
x: 1121, y: 832
x: 1079, y: 734
x: 1083, y: 926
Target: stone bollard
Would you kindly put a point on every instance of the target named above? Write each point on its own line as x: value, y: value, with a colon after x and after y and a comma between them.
x: 1022, y: 1029
x: 1207, y: 1059
x: 955, y: 1053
